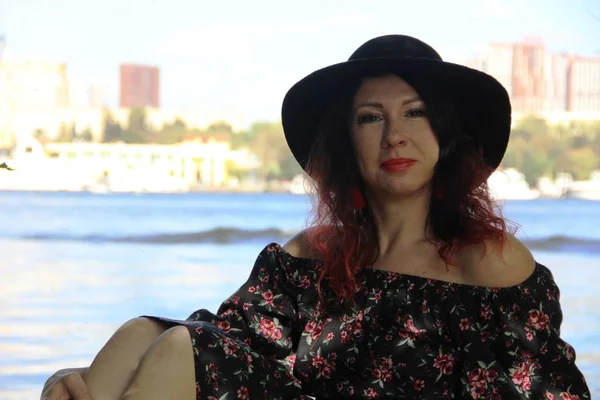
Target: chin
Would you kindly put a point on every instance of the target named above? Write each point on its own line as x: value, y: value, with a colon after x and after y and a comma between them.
x: 403, y: 193
x: 406, y: 188
x: 400, y: 185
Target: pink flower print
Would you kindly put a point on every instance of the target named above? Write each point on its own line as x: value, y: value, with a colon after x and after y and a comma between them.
x: 372, y: 394
x: 520, y: 377
x: 445, y: 363
x: 465, y: 324
x: 485, y: 312
x: 223, y: 325
x: 305, y: 282
x: 418, y: 385
x: 242, y: 393
x: 269, y: 330
x: 477, y: 382
x: 268, y: 297
x: 538, y: 319
x: 229, y: 346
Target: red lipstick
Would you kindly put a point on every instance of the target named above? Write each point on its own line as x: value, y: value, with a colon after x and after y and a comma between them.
x: 397, y: 164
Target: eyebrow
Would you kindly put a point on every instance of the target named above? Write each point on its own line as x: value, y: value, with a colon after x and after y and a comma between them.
x: 379, y: 105
x: 411, y: 100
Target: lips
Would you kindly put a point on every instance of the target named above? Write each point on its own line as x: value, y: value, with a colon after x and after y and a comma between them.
x: 397, y: 164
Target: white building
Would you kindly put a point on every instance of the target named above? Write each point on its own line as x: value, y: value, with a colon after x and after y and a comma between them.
x: 119, y: 167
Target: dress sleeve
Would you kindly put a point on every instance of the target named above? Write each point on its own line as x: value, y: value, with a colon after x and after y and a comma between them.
x: 263, y: 312
x: 513, y: 348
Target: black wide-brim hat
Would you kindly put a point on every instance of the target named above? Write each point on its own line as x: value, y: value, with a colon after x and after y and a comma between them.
x: 482, y: 103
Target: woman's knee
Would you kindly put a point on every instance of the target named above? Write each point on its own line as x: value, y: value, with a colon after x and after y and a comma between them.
x: 167, y: 369
x: 178, y: 336
x: 174, y: 342
x: 140, y: 328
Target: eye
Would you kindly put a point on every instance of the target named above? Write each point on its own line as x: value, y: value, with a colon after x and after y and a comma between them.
x: 415, y: 113
x: 368, y: 118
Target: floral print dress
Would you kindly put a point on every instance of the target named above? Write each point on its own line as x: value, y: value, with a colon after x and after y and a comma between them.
x: 404, y: 337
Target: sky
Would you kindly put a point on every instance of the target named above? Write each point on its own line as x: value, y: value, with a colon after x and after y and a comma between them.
x: 242, y: 56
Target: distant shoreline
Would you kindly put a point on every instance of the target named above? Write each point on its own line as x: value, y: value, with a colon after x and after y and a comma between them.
x: 215, y: 190
x: 233, y: 191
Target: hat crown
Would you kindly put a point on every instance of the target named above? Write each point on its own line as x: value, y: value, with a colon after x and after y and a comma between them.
x: 395, y: 46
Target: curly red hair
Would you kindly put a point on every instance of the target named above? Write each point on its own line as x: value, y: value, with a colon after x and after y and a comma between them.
x: 461, y: 214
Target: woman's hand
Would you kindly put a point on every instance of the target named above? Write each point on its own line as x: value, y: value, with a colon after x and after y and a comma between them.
x: 66, y: 384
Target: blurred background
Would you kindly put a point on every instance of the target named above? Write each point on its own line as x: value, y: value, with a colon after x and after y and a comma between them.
x: 149, y: 166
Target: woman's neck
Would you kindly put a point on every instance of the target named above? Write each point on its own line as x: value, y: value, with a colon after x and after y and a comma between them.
x: 401, y: 224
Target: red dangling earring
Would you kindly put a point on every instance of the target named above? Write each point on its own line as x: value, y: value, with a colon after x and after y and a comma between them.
x: 358, y: 200
x: 438, y: 193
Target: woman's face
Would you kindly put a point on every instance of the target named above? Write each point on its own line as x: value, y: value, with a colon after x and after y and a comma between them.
x: 395, y: 147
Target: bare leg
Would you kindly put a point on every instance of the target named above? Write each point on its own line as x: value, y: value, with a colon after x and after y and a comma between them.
x: 167, y: 369
x: 114, y: 367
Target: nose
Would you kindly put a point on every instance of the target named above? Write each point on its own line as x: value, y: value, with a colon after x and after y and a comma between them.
x: 393, y: 135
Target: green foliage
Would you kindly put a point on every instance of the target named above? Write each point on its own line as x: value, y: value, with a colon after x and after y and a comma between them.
x: 66, y: 134
x: 234, y: 171
x: 86, y: 135
x: 290, y: 167
x: 112, y: 129
x: 240, y: 140
x: 581, y: 162
x: 219, y: 128
x: 270, y: 146
x: 137, y: 128
x: 171, y: 133
x: 537, y: 149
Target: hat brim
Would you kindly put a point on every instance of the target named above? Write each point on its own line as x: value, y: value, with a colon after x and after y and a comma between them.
x: 482, y: 102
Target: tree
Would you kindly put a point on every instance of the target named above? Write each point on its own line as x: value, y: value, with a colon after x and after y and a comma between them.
x: 234, y: 171
x: 178, y: 124
x: 270, y: 146
x: 138, y: 130
x: 531, y: 161
x: 86, y: 135
x: 112, y: 131
x: 239, y: 140
x: 73, y: 133
x: 171, y: 132
x: 530, y: 127
x: 537, y: 149
x: 513, y: 158
x: 595, y: 141
x: 535, y: 165
x: 136, y: 120
x: 290, y: 167
x: 581, y: 163
x: 580, y: 141
x: 133, y: 137
x: 219, y: 127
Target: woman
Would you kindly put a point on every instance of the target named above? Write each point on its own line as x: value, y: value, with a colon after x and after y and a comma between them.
x: 407, y: 284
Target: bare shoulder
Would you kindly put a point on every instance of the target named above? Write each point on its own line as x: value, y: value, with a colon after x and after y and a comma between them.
x: 298, y: 246
x: 499, y: 264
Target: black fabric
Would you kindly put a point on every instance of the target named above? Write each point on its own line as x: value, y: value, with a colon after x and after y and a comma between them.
x: 405, y: 337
